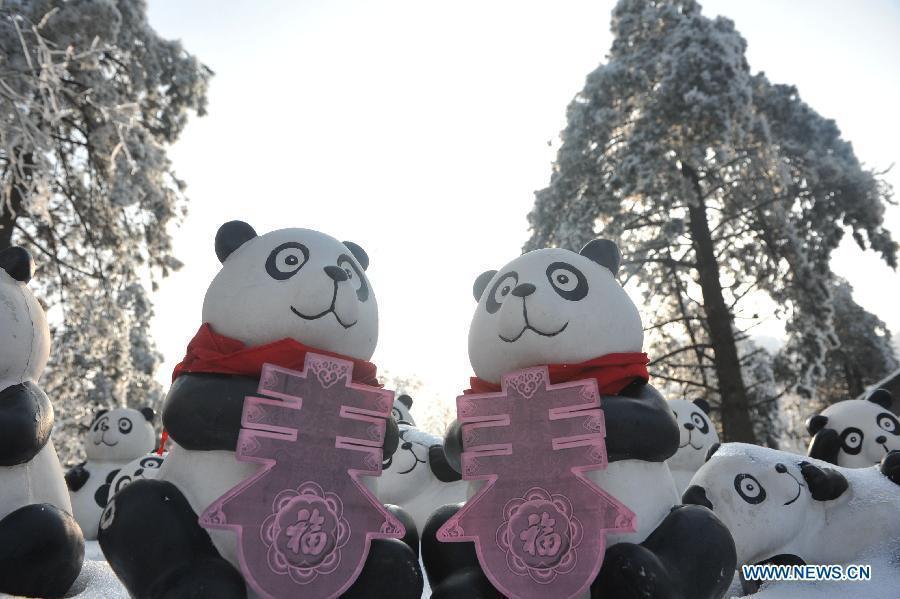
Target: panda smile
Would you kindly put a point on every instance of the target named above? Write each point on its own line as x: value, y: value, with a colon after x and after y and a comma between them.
x: 330, y: 310
x: 103, y: 441
x: 528, y: 327
x: 799, y: 487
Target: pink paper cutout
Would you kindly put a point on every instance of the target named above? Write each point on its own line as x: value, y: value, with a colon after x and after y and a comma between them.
x: 538, y: 523
x: 305, y: 522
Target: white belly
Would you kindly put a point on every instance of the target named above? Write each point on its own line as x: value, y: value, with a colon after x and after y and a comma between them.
x: 38, y: 481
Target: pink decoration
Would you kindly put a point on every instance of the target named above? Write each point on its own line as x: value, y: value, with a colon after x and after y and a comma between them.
x: 537, y: 522
x: 305, y: 521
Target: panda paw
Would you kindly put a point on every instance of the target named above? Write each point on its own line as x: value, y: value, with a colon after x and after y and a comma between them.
x: 76, y: 477
x: 890, y: 466
x: 632, y: 571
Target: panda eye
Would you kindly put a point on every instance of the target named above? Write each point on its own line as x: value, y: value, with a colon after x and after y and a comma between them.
x: 125, y: 426
x: 852, y: 440
x: 151, y: 463
x: 700, y: 422
x: 500, y: 291
x: 888, y: 423
x: 354, y: 277
x: 286, y: 259
x: 749, y: 488
x: 567, y: 281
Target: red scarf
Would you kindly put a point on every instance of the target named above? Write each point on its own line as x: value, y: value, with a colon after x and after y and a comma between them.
x: 613, y: 372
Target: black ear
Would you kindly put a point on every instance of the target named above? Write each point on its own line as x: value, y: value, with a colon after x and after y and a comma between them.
x: 360, y: 254
x: 406, y: 400
x: 882, y: 397
x: 231, y: 236
x: 99, y: 414
x: 824, y: 484
x: 712, y: 449
x: 148, y: 413
x: 825, y: 445
x: 481, y: 282
x: 816, y: 423
x: 696, y: 495
x: 702, y: 404
x: 17, y: 263
x: 604, y: 252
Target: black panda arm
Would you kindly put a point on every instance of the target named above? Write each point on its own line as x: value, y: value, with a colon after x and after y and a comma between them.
x: 26, y: 418
x: 77, y: 476
x: 639, y: 425
x: 825, y: 446
x: 440, y: 467
x: 453, y: 446
x: 391, y: 438
x: 890, y: 466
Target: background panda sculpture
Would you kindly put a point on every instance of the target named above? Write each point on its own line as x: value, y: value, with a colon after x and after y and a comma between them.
x: 115, y: 437
x: 41, y: 545
x: 276, y: 296
x: 554, y: 307
x: 401, y: 410
x: 790, y: 509
x: 698, y: 434
x: 855, y: 433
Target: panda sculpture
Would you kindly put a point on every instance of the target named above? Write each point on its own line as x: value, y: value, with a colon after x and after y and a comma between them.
x: 401, y: 410
x: 557, y: 307
x: 276, y: 296
x: 146, y: 466
x: 417, y: 477
x: 855, y: 433
x: 698, y: 434
x: 41, y: 545
x: 791, y: 509
x: 115, y: 437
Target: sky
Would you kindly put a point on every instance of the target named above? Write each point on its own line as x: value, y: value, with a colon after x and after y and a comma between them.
x: 420, y: 130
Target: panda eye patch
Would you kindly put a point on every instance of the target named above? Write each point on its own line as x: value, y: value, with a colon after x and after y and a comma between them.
x: 286, y: 259
x: 888, y: 423
x: 852, y: 440
x: 501, y: 290
x: 125, y: 426
x: 354, y: 277
x: 569, y: 282
x: 749, y: 489
x: 700, y: 422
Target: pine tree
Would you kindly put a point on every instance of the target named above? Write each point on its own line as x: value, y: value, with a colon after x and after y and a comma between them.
x: 721, y: 187
x: 90, y: 96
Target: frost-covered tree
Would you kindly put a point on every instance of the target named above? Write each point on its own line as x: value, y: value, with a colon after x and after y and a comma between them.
x: 90, y: 96
x: 721, y: 187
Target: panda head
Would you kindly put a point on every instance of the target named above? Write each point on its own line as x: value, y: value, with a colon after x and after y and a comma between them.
x: 411, y: 457
x: 292, y: 283
x: 120, y: 435
x: 698, y: 433
x: 552, y: 306
x: 402, y: 405
x: 146, y: 466
x: 25, y: 336
x: 862, y: 431
x: 762, y: 495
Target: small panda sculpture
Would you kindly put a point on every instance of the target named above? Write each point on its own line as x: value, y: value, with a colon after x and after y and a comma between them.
x: 855, y: 433
x: 41, y: 545
x: 698, y: 434
x: 566, y: 310
x: 276, y: 297
x: 146, y: 466
x: 115, y: 437
x: 791, y: 509
x: 417, y: 477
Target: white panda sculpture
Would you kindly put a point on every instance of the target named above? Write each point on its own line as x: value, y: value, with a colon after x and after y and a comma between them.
x: 698, y: 434
x: 145, y: 467
x: 566, y: 310
x: 855, y: 433
x: 115, y: 437
x: 277, y: 296
x: 417, y: 477
x: 41, y: 545
x: 791, y: 509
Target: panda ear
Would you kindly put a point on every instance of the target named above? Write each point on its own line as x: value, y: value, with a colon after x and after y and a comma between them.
x: 481, y: 282
x: 360, y: 254
x: 99, y: 413
x: 17, y: 263
x: 604, y: 252
x: 406, y: 400
x: 816, y: 423
x: 825, y: 484
x: 882, y: 397
x: 712, y: 449
x: 148, y: 413
x: 231, y: 236
x: 702, y: 404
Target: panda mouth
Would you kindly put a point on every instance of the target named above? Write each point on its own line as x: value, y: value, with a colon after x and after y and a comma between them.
x: 691, y: 444
x: 102, y: 441
x: 799, y: 488
x: 322, y: 314
x: 528, y: 327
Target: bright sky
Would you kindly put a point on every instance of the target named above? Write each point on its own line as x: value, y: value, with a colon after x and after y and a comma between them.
x: 420, y: 131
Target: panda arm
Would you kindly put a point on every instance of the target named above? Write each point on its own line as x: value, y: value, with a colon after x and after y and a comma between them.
x: 453, y: 446
x: 825, y: 446
x: 77, y: 476
x: 440, y: 466
x: 26, y: 418
x: 639, y: 425
x: 391, y: 438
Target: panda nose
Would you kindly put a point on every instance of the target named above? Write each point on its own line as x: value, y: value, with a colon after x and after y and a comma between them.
x: 523, y: 290
x: 881, y: 439
x: 689, y: 426
x: 336, y: 273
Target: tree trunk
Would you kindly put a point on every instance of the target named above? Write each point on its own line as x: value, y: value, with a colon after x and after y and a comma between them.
x: 9, y: 213
x: 736, y: 423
